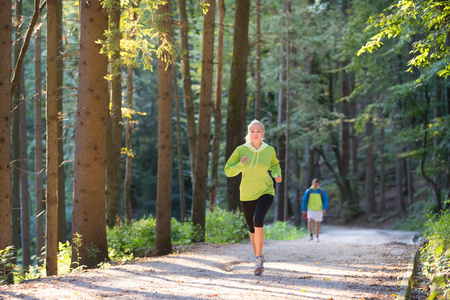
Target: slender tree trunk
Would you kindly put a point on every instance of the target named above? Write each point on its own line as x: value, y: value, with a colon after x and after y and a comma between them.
x: 5, y: 131
x: 115, y: 128
x: 89, y: 212
x: 129, y: 146
x: 179, y: 148
x: 297, y: 192
x: 187, y: 87
x: 382, y: 165
x: 62, y: 230
x: 128, y: 130
x: 258, y: 61
x: 24, y: 202
x: 52, y: 141
x: 163, y: 242
x: 369, y: 206
x: 286, y: 154
x: 204, y: 120
x: 282, y: 100
x: 38, y: 153
x: 217, y: 109
x: 345, y: 124
x: 355, y: 142
x: 237, y: 99
x: 429, y: 180
x: 17, y: 95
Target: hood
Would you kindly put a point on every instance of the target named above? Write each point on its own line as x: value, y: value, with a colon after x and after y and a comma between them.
x: 253, y: 149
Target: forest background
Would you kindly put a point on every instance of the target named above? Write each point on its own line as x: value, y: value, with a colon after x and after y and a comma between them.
x: 352, y: 92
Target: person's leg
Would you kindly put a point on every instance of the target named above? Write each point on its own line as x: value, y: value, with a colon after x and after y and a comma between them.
x: 252, y: 239
x: 248, y: 208
x: 262, y: 207
x: 317, y: 228
x: 310, y: 226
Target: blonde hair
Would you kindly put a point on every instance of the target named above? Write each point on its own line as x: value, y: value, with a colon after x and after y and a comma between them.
x: 247, y: 137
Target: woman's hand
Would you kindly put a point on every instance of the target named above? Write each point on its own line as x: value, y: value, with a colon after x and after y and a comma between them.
x: 278, y: 179
x: 244, y: 160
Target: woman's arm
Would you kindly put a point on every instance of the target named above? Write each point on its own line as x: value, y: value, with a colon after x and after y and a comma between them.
x: 234, y: 166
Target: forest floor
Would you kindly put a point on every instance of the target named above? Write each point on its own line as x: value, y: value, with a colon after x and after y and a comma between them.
x: 347, y: 263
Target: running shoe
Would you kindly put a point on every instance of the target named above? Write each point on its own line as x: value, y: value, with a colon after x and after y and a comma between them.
x: 259, y: 263
x: 317, y: 239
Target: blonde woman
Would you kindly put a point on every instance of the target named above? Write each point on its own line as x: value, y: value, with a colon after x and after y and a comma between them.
x: 253, y: 159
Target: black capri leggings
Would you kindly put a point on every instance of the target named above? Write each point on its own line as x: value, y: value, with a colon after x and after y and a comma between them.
x: 255, y: 211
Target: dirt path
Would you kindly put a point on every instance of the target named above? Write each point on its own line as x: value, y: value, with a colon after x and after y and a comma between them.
x: 348, y: 263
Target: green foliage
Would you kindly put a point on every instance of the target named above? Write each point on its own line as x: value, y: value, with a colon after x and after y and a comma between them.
x: 424, y: 21
x: 223, y: 226
x: 6, y: 256
x: 136, y: 238
x: 416, y: 219
x: 283, y: 231
x: 436, y: 253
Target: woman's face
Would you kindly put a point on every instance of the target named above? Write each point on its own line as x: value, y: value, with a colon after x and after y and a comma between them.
x: 256, y: 133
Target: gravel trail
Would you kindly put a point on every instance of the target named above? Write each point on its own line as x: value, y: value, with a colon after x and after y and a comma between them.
x: 347, y: 263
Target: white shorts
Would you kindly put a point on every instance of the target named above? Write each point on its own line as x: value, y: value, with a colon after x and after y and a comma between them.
x: 316, y: 215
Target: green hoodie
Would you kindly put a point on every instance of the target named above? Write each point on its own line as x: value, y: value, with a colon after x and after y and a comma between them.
x: 256, y: 180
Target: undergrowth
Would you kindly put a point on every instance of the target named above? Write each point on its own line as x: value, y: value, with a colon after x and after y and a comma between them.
x: 436, y: 255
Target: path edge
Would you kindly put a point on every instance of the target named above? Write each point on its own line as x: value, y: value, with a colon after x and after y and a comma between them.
x: 410, y: 275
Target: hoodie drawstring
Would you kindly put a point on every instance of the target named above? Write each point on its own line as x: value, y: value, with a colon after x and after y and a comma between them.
x: 256, y: 160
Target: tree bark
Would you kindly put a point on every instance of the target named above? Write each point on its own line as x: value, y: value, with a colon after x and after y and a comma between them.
x: 52, y: 141
x: 281, y: 121
x: 258, y: 61
x: 344, y: 123
x: 62, y: 231
x: 382, y: 166
x: 129, y: 146
x: 179, y: 148
x: 217, y: 109
x: 24, y: 200
x: 39, y: 153
x: 115, y: 128
x: 369, y: 204
x: 163, y: 242
x: 128, y: 131
x: 237, y: 99
x: 286, y: 154
x: 5, y: 131
x: 187, y: 87
x: 89, y: 212
x: 15, y: 137
x: 204, y: 121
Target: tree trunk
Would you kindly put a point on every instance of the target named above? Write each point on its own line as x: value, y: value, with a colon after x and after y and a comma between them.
x: 89, y: 212
x: 24, y: 202
x: 187, y: 87
x: 38, y: 152
x: 114, y: 140
x: 369, y: 206
x: 128, y: 130
x: 281, y: 121
x: 204, y: 121
x: 286, y: 155
x: 52, y: 141
x: 179, y: 148
x: 345, y: 124
x: 163, y: 242
x: 5, y: 131
x: 382, y: 165
x: 237, y: 99
x: 296, y: 187
x: 258, y: 62
x: 129, y: 146
x: 15, y: 137
x: 62, y: 230
x: 217, y: 109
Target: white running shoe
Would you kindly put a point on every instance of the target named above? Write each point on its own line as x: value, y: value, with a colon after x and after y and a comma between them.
x: 317, y: 239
